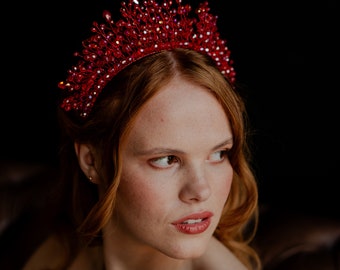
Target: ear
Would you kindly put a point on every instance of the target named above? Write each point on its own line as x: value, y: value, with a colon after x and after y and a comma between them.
x: 86, y: 161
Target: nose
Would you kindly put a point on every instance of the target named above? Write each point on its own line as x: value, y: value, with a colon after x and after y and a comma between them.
x: 195, y: 186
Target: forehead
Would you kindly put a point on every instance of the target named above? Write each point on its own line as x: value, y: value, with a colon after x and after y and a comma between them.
x: 180, y: 96
x: 181, y: 110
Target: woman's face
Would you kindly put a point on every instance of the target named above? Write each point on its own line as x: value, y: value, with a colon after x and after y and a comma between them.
x: 176, y: 174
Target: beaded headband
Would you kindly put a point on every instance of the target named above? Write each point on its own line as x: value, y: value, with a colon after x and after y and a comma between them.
x: 145, y: 28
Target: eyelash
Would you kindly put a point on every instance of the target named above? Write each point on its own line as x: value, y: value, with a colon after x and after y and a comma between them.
x: 223, y: 154
x: 171, y: 159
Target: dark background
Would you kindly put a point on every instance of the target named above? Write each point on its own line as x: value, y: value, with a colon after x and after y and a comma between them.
x: 285, y: 55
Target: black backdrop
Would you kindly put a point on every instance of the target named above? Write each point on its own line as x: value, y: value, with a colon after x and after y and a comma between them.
x: 286, y: 63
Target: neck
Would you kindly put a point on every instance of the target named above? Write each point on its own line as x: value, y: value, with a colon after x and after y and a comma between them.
x: 125, y: 253
x: 124, y: 258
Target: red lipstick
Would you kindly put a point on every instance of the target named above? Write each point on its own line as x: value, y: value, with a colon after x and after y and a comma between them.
x: 194, y: 224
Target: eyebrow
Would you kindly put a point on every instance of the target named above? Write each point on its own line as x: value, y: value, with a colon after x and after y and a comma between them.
x: 224, y: 143
x: 161, y: 150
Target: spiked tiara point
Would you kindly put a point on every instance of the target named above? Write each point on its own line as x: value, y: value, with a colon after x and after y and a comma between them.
x: 144, y: 28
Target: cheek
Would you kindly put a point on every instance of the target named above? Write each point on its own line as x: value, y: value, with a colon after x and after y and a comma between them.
x: 137, y: 195
x: 223, y: 184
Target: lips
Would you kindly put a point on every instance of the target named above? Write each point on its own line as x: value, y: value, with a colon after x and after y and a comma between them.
x: 194, y: 224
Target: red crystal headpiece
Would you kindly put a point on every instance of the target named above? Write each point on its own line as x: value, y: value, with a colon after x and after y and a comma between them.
x: 145, y: 28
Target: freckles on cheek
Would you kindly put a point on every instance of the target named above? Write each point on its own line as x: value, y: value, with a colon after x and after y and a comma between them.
x: 225, y: 189
x: 135, y: 197
x: 131, y: 193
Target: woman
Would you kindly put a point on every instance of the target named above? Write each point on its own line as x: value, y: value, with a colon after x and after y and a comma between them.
x: 154, y: 159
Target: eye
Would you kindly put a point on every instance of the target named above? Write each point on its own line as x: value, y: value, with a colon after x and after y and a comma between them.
x: 218, y: 156
x: 164, y: 162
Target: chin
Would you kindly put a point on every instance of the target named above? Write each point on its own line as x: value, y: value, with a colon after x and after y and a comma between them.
x: 188, y: 250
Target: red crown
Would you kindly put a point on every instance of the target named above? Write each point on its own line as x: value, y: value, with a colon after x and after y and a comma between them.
x: 145, y: 28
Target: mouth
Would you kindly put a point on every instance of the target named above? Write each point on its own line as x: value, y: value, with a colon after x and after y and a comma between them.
x: 194, y: 224
x: 193, y: 221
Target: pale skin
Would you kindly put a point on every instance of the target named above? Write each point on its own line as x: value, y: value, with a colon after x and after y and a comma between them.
x: 175, y: 164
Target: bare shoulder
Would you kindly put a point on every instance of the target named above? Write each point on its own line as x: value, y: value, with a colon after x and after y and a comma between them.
x: 47, y: 256
x: 218, y: 257
x: 52, y: 254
